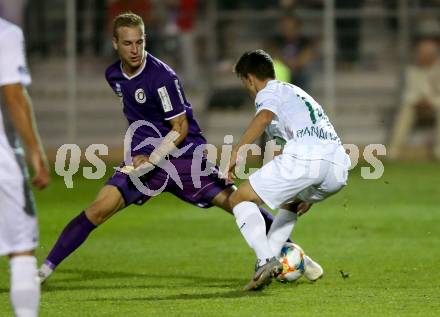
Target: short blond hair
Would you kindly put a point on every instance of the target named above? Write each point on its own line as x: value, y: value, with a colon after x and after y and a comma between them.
x: 128, y: 19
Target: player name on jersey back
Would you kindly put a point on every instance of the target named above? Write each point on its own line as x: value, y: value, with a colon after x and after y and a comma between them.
x: 299, y: 120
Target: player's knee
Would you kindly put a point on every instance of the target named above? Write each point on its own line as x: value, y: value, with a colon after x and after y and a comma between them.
x: 235, y: 198
x: 98, y: 213
x: 222, y: 200
x: 243, y: 194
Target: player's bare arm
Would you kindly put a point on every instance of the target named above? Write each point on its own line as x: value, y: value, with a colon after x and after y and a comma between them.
x: 252, y: 133
x: 179, y: 131
x: 179, y: 125
x: 20, y: 109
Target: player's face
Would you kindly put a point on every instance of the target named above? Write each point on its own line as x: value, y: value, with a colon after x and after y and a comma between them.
x: 248, y: 82
x: 130, y: 45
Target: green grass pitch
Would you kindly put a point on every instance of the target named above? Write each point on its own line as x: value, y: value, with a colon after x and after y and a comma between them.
x: 168, y: 258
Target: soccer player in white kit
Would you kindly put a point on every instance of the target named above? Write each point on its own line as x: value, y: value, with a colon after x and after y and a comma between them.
x: 18, y: 223
x: 313, y: 164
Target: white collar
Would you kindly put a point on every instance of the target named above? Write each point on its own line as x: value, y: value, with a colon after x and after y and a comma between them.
x: 138, y: 72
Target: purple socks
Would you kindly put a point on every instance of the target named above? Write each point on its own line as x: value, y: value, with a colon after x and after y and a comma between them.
x: 73, y: 235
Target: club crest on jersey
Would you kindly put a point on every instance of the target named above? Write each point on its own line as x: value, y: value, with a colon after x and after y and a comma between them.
x: 139, y: 95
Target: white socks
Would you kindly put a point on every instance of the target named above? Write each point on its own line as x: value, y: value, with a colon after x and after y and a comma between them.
x: 253, y: 228
x: 25, y: 289
x: 281, y: 229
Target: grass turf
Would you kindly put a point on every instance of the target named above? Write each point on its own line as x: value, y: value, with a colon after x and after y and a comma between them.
x: 168, y: 258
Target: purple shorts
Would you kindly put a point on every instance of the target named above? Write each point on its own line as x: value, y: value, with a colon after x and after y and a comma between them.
x: 197, y: 189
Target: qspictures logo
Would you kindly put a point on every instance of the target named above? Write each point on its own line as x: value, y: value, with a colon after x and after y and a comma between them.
x: 68, y: 156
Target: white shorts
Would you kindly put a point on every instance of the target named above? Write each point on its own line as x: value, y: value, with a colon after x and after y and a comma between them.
x: 18, y: 221
x: 286, y: 178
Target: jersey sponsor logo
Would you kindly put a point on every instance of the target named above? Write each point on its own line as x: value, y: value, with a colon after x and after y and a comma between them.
x: 139, y: 95
x: 176, y: 82
x: 165, y: 99
x: 118, y: 90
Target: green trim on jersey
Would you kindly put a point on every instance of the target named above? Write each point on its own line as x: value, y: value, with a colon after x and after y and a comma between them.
x: 309, y: 106
x: 279, y: 140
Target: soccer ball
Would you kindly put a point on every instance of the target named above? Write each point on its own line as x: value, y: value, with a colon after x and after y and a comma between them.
x: 292, y: 258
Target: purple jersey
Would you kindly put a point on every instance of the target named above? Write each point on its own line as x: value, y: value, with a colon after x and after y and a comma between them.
x: 155, y: 95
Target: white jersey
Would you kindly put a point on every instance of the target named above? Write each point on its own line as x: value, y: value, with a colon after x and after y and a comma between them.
x: 18, y: 223
x: 13, y: 70
x: 299, y: 122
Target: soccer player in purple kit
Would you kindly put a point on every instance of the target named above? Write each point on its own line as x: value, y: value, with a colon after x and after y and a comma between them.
x: 150, y: 91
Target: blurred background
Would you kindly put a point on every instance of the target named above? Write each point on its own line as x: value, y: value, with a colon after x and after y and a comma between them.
x: 372, y: 64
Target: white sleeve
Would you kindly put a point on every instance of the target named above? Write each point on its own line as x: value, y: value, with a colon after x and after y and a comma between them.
x: 267, y: 101
x: 13, y: 67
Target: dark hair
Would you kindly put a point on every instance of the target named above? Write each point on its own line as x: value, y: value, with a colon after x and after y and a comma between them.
x: 257, y: 63
x: 128, y: 19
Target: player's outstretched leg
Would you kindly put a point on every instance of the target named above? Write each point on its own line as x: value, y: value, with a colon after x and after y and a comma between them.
x: 108, y: 202
x: 73, y: 235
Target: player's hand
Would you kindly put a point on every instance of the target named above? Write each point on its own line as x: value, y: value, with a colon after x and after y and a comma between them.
x: 142, y: 165
x: 303, y: 207
x: 138, y: 160
x: 39, y: 164
x: 230, y: 178
x: 232, y: 162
